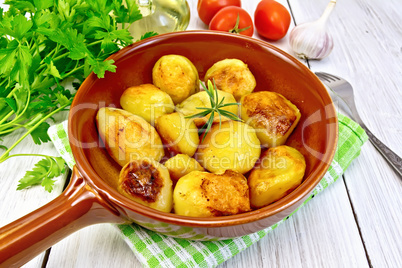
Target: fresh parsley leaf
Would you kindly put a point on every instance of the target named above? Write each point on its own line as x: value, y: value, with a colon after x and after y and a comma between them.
x: 21, y: 97
x: 65, y: 11
x: 109, y: 39
x: 98, y: 23
x: 43, y: 4
x: 108, y: 44
x: 3, y: 42
x: 62, y: 99
x: 39, y: 135
x: 43, y: 173
x: 127, y: 15
x: 100, y: 67
x: 102, y: 6
x: 46, y: 19
x: 8, y: 60
x: 51, y: 68
x: 36, y: 175
x: 15, y: 26
x: 60, y: 39
x: 148, y: 34
x: 24, y: 55
x: 24, y: 6
x: 11, y: 102
x: 21, y: 26
x: 48, y: 184
x: 124, y: 35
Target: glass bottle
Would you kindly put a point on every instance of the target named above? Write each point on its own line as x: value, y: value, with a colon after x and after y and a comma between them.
x: 161, y: 16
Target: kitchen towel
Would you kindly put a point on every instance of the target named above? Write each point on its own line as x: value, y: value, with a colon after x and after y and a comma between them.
x: 155, y: 250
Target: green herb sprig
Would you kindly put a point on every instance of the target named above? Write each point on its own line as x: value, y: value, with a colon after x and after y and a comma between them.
x: 43, y: 173
x: 216, y: 107
x: 43, y: 43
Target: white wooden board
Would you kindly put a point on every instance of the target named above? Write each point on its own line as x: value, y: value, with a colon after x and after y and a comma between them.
x: 354, y: 223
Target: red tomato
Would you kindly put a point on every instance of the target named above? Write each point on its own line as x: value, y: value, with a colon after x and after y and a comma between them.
x: 232, y: 19
x: 208, y: 8
x: 271, y: 19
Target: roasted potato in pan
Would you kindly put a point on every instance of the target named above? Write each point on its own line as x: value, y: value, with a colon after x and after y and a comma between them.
x: 147, y: 182
x: 272, y: 116
x: 280, y: 171
x: 232, y: 76
x: 201, y: 99
x: 177, y: 76
x: 179, y: 135
x: 146, y: 101
x: 228, y: 150
x: 203, y: 194
x: 232, y: 145
x: 180, y: 165
x: 127, y: 136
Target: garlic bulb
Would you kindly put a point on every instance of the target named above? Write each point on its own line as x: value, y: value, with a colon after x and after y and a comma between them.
x: 311, y: 40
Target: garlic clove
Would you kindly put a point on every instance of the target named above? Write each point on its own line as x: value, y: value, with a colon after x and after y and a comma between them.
x: 311, y: 40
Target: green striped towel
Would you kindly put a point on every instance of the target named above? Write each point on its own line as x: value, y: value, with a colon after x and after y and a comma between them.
x: 156, y: 250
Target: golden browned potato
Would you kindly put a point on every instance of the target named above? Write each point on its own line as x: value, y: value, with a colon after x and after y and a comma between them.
x: 147, y: 182
x: 279, y: 172
x: 180, y: 165
x: 232, y: 76
x: 127, y: 136
x: 233, y: 145
x: 201, y: 99
x: 177, y: 76
x: 179, y: 135
x: 146, y: 101
x: 272, y: 115
x: 203, y: 194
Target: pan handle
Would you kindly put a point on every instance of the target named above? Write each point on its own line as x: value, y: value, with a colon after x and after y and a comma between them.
x: 77, y: 207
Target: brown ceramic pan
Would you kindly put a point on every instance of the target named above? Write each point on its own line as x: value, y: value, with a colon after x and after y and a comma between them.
x: 91, y: 198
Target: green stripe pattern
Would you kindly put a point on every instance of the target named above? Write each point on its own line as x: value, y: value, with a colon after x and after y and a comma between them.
x: 156, y: 250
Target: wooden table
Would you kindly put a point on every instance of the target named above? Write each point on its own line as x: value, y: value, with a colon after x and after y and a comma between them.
x: 354, y: 223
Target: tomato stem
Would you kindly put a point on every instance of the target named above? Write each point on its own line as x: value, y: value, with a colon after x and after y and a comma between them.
x: 236, y: 27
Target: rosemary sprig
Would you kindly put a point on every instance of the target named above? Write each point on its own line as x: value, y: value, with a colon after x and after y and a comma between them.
x: 216, y: 106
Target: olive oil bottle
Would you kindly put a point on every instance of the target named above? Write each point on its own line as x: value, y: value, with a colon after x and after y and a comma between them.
x: 161, y: 16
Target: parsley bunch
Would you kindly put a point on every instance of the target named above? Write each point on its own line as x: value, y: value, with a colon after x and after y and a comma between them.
x: 42, y: 43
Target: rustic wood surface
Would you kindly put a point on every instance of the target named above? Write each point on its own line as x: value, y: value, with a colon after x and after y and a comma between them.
x: 354, y: 223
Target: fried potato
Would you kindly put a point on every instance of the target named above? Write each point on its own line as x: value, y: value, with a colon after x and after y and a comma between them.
x: 179, y: 135
x: 272, y: 116
x: 127, y: 136
x: 232, y: 145
x: 201, y: 99
x: 280, y: 171
x: 203, y: 194
x: 177, y: 76
x: 147, y: 182
x: 232, y: 76
x: 146, y: 101
x: 180, y: 165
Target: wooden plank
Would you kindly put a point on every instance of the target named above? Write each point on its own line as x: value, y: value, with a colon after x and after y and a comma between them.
x: 371, y: 61
x: 95, y: 246
x: 15, y: 204
x: 376, y: 197
x: 323, y: 233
